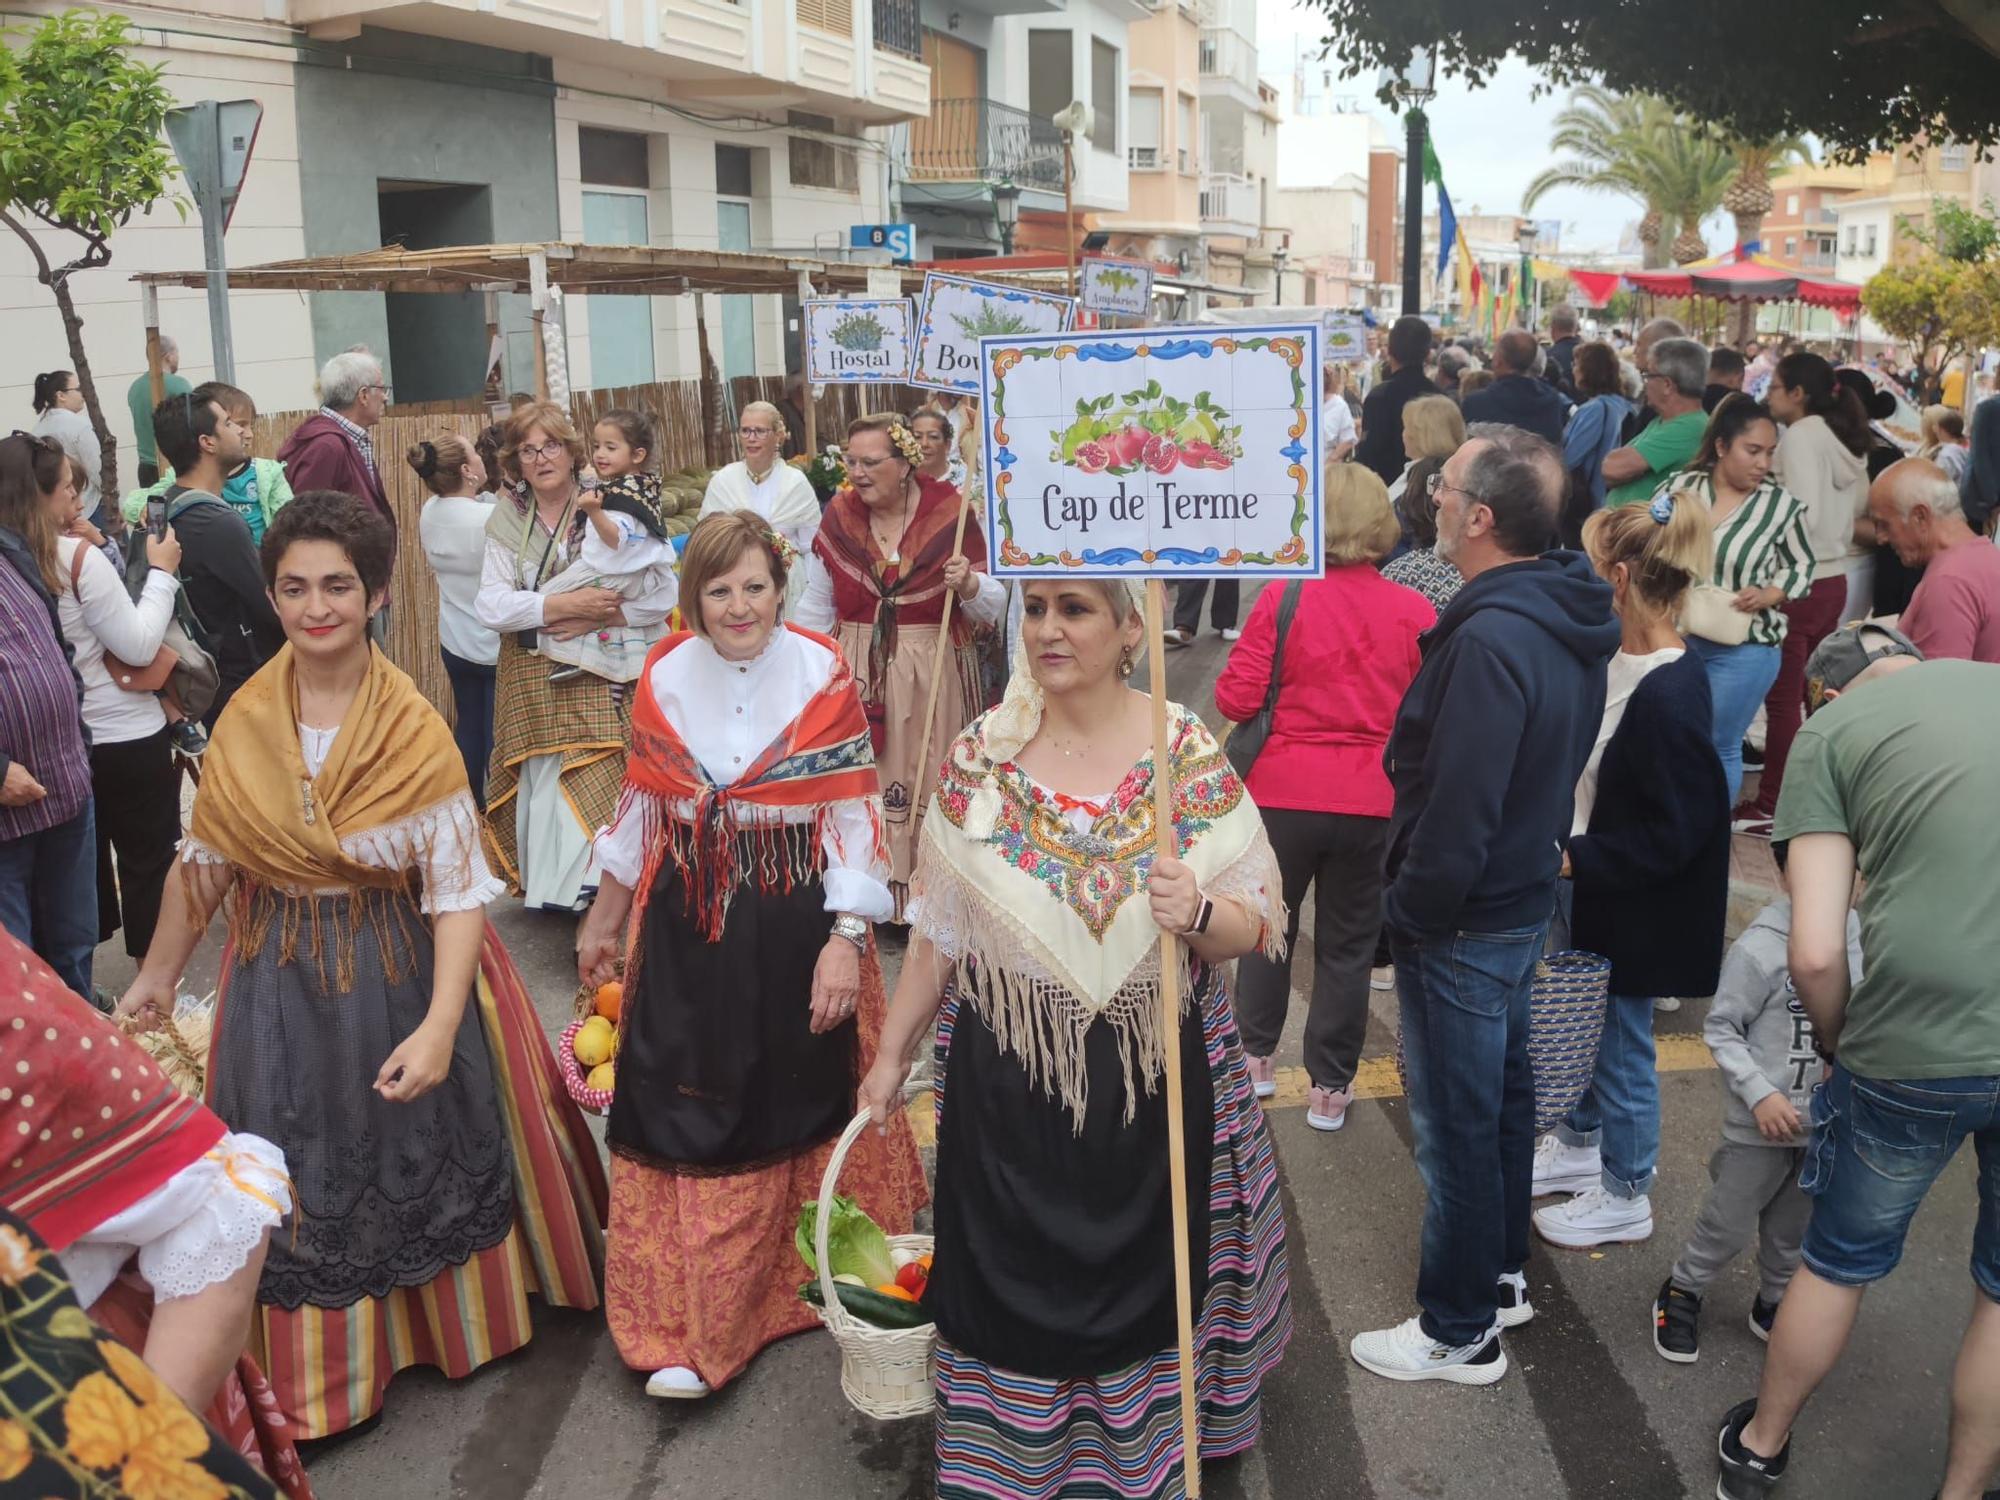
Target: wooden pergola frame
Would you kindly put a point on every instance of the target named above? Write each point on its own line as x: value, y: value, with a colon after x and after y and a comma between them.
x: 531, y: 270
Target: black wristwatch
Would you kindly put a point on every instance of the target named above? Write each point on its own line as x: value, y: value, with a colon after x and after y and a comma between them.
x: 1202, y: 914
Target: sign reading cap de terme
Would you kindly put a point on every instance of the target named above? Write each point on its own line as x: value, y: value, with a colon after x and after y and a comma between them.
x: 1168, y: 453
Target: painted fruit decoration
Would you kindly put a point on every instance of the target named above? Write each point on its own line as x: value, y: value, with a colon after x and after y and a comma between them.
x: 1148, y: 431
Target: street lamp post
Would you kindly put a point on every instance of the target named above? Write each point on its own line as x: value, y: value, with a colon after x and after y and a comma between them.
x: 1278, y: 258
x: 1415, y: 86
x: 1006, y: 212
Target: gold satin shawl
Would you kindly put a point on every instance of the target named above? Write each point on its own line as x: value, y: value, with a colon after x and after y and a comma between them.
x: 392, y: 765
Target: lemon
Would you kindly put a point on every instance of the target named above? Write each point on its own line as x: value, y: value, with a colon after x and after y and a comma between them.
x: 601, y: 1078
x: 594, y: 1042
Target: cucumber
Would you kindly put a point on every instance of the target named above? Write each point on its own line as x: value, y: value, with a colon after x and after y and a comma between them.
x: 868, y: 1305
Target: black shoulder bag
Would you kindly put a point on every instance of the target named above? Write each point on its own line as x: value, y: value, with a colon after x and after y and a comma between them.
x: 1246, y: 740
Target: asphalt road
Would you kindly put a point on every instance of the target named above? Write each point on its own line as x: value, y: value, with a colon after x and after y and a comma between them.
x: 1587, y: 1411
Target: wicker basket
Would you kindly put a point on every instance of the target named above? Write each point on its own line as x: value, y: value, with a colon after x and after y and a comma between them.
x: 179, y: 1045
x: 589, y: 1100
x: 886, y: 1373
x: 1565, y: 1020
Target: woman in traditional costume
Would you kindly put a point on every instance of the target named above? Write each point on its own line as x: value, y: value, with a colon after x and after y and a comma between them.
x: 370, y: 1024
x: 876, y: 582
x: 937, y: 442
x: 558, y: 747
x: 763, y: 482
x: 751, y: 835
x: 1036, y: 916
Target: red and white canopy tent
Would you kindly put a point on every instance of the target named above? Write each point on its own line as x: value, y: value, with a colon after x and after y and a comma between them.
x: 1749, y: 278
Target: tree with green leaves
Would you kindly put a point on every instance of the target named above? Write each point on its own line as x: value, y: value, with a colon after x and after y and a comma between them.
x: 1943, y: 308
x: 1858, y: 74
x: 80, y: 153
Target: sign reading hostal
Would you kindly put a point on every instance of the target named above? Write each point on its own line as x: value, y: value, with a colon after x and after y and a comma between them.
x: 857, y: 340
x: 1169, y: 453
x: 956, y: 312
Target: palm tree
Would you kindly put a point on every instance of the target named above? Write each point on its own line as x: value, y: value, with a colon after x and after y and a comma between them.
x: 1639, y: 146
x: 1749, y: 198
x: 1597, y: 127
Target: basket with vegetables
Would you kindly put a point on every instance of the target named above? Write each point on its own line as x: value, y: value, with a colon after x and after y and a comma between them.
x: 868, y: 1287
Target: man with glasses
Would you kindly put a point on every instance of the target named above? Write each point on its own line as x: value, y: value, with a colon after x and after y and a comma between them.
x: 332, y: 449
x: 1484, y: 759
x: 1676, y: 373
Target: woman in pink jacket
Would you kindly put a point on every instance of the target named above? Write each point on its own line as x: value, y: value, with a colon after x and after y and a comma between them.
x: 1348, y: 655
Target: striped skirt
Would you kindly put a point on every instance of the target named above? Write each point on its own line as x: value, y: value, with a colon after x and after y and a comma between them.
x: 1005, y: 1436
x: 331, y: 1366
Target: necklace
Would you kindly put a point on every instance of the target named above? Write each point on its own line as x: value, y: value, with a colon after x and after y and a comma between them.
x: 755, y: 477
x: 896, y: 551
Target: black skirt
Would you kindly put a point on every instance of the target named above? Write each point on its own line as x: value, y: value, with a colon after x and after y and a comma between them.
x: 1055, y: 1250
x: 718, y: 1068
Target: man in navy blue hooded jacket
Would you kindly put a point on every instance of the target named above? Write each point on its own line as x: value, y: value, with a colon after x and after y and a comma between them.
x: 1484, y: 760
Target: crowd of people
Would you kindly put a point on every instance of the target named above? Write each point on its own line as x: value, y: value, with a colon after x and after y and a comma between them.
x: 1509, y: 720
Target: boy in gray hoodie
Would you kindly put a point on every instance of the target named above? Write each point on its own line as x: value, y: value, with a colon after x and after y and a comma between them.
x: 1763, y: 1044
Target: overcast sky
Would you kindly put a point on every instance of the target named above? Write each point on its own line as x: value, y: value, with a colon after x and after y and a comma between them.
x: 1490, y: 141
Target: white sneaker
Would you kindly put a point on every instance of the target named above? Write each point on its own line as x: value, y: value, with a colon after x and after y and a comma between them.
x: 1406, y: 1352
x: 1515, y: 1308
x: 1383, y: 978
x: 1232, y: 634
x: 1561, y: 1168
x: 1596, y: 1218
x: 1666, y: 1003
x: 676, y: 1383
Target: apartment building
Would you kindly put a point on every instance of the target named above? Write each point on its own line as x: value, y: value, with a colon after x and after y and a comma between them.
x: 1162, y: 220
x: 752, y: 125
x: 1240, y: 117
x: 1000, y: 72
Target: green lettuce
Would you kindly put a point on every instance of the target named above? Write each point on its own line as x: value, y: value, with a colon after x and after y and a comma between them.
x: 855, y: 1244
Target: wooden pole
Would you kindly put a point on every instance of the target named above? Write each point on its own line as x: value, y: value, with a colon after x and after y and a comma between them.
x: 1069, y: 209
x: 538, y: 299
x: 1170, y: 1012
x: 808, y: 407
x: 156, y: 370
x: 939, y: 656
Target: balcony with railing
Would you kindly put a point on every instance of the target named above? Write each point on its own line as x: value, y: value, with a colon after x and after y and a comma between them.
x: 899, y: 28
x: 983, y: 140
x: 1227, y: 61
x: 1230, y: 206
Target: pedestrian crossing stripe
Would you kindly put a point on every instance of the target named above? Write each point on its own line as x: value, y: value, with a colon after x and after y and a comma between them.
x: 1676, y: 1052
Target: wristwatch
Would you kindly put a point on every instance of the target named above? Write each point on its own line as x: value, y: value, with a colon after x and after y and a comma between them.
x: 854, y: 929
x: 1202, y: 914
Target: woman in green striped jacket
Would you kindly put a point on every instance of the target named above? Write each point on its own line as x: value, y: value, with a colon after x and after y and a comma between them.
x: 1763, y: 557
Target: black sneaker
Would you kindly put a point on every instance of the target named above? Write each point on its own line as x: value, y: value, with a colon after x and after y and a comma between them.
x: 1676, y: 1324
x: 1745, y: 1475
x: 1512, y: 1296
x: 1753, y: 757
x: 189, y: 738
x: 1762, y: 1315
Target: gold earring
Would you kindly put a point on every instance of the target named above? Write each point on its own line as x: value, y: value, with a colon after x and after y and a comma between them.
x: 1127, y: 664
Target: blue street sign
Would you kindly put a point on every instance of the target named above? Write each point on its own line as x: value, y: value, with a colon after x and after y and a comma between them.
x: 900, y: 240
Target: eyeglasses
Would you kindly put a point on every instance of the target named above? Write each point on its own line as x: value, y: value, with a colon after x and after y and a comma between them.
x: 1652, y: 375
x: 870, y: 464
x: 550, y: 449
x: 1435, y: 486
x: 378, y: 386
x: 755, y: 432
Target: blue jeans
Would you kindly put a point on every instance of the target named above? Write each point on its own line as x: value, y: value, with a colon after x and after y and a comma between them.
x: 1877, y: 1146
x: 1472, y: 1104
x: 48, y: 896
x: 1619, y: 1112
x: 472, y: 690
x: 1739, y: 677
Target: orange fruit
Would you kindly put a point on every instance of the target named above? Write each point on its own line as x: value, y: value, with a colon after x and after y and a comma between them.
x: 890, y: 1289
x: 610, y: 996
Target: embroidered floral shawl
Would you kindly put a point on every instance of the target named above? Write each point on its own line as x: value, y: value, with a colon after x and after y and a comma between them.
x: 1050, y: 931
x: 822, y: 757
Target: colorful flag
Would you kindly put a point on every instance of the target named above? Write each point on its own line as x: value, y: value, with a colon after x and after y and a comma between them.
x: 1447, y: 226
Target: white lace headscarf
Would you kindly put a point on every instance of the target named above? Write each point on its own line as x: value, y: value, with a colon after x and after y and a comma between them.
x: 1006, y: 730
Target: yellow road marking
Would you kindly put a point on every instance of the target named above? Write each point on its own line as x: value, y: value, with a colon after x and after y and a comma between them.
x: 1677, y: 1052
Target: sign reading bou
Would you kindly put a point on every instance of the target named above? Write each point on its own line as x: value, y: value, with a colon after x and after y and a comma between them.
x: 956, y: 312
x: 1169, y: 453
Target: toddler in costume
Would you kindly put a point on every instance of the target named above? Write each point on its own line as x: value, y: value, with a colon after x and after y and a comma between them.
x: 624, y: 548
